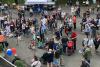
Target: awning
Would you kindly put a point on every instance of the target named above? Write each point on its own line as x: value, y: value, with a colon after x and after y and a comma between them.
x: 32, y: 2
x: 45, y: 3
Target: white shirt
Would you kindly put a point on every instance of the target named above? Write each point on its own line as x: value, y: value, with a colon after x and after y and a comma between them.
x: 72, y: 9
x: 23, y: 26
x: 2, y: 7
x: 31, y: 10
x: 85, y: 41
x: 63, y: 14
x: 90, y: 42
x: 36, y: 64
x: 32, y: 29
x: 87, y: 2
x: 99, y: 23
x: 1, y: 18
x: 44, y: 20
x: 87, y: 28
x: 5, y: 22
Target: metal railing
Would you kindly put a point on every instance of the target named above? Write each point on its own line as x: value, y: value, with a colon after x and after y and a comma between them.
x: 8, y: 61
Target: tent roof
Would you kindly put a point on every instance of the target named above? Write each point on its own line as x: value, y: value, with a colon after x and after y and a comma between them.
x: 32, y: 2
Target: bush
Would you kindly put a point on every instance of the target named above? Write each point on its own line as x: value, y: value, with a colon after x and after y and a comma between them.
x: 13, y: 1
x: 19, y: 63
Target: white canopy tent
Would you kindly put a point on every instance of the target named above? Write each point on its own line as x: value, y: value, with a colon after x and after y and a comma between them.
x: 32, y: 2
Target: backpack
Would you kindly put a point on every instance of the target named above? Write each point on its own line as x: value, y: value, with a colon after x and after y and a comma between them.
x: 70, y: 44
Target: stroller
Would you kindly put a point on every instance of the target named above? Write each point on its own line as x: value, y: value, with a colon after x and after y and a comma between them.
x: 70, y: 49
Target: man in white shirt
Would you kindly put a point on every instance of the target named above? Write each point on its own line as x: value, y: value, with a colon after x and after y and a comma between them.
x: 85, y: 41
x: 63, y: 14
x: 87, y: 2
x: 90, y: 42
x: 35, y: 63
x: 44, y: 21
x: 72, y: 10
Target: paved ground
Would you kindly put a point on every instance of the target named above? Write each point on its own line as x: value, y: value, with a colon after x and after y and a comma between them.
x: 69, y: 61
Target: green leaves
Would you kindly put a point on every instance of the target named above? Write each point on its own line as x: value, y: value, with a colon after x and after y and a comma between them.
x: 19, y: 63
x: 12, y: 1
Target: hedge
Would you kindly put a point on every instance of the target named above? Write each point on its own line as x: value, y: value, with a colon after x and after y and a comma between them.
x: 12, y: 1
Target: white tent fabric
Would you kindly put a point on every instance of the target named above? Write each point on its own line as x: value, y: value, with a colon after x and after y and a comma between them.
x: 32, y: 2
x: 36, y: 0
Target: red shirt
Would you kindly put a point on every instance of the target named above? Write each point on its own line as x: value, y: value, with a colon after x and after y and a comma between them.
x: 74, y: 19
x: 73, y: 35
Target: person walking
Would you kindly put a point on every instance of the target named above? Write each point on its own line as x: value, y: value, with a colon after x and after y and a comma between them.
x: 74, y: 21
x: 35, y: 62
x: 86, y: 56
x: 87, y: 30
x: 96, y: 43
x: 50, y: 58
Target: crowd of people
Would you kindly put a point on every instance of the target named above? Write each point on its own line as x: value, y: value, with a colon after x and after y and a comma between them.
x: 61, y: 27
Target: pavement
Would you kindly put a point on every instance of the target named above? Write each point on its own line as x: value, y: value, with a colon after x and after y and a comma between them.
x: 69, y: 61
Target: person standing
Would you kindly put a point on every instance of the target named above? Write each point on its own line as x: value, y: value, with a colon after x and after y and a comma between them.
x: 23, y: 28
x: 74, y: 21
x: 72, y: 10
x: 87, y: 56
x: 35, y: 62
x: 50, y: 58
x: 96, y: 43
x: 93, y: 30
x: 87, y: 30
x: 74, y: 36
x: 64, y: 40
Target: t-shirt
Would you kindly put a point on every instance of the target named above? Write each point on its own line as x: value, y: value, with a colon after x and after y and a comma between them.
x: 74, y: 19
x: 63, y: 14
x: 73, y: 35
x: 85, y: 41
x: 36, y: 64
x: 91, y: 42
